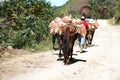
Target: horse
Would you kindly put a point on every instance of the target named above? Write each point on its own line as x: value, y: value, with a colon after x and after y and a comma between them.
x: 68, y: 38
x: 59, y: 29
x: 55, y: 29
x: 90, y: 32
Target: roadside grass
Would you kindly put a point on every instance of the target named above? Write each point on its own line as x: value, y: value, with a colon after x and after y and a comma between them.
x: 113, y: 22
x: 43, y: 46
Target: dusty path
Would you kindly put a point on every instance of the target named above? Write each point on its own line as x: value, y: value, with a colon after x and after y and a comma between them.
x: 99, y: 62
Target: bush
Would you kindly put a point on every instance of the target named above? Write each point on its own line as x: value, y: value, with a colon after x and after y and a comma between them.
x: 27, y: 22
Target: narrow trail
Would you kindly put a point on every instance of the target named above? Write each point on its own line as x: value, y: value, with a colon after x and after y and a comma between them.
x: 99, y: 62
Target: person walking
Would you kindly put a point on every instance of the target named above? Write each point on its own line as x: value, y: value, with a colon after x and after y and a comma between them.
x: 82, y: 40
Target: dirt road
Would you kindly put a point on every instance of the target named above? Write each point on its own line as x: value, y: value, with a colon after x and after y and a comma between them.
x: 99, y: 62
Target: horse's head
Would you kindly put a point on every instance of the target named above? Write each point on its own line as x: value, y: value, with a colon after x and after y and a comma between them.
x: 96, y: 24
x: 93, y: 24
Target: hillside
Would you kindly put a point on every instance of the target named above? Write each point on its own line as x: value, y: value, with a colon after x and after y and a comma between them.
x: 102, y: 9
x: 78, y: 5
x: 74, y: 5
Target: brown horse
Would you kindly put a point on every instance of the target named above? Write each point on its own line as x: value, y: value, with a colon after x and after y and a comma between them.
x: 68, y: 37
x: 90, y: 33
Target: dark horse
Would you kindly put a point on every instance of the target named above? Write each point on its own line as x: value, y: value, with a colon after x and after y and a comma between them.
x: 68, y: 38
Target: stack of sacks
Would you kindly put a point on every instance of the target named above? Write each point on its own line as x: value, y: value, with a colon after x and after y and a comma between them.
x: 81, y: 30
x: 95, y: 24
x: 56, y: 25
x: 52, y: 26
x: 76, y: 21
x: 80, y: 27
x: 67, y: 19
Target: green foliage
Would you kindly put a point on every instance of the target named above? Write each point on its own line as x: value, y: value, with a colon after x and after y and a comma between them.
x: 113, y: 7
x: 117, y: 11
x: 94, y: 9
x: 27, y: 22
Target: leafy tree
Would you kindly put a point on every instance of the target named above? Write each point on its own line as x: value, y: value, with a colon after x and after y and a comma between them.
x: 26, y: 21
x: 94, y: 9
x: 113, y: 7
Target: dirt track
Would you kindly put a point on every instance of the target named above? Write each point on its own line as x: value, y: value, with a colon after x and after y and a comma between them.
x: 99, y: 62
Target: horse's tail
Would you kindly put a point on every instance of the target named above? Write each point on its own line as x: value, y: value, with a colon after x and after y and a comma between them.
x: 66, y: 41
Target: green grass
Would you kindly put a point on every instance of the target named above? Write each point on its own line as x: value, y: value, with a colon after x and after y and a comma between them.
x: 43, y: 46
x: 113, y: 22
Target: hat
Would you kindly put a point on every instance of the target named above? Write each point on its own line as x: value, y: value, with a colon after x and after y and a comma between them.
x: 82, y: 17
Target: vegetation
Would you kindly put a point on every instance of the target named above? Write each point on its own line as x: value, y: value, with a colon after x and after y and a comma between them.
x: 113, y: 7
x: 24, y: 23
x: 117, y: 11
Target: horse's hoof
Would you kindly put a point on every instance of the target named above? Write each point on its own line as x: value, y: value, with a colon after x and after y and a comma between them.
x: 81, y: 52
x: 60, y: 55
x: 85, y: 47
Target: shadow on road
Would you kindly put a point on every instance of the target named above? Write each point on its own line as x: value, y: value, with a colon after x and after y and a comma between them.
x: 62, y: 54
x: 93, y: 45
x: 73, y: 60
x: 82, y: 51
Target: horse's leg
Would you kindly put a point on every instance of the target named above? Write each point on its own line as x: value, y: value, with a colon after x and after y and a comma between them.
x: 86, y: 40
x: 71, y: 52
x: 92, y: 37
x: 53, y: 40
x: 65, y: 60
x: 68, y: 59
x: 60, y: 45
x: 89, y: 38
x: 66, y: 45
x: 60, y: 49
